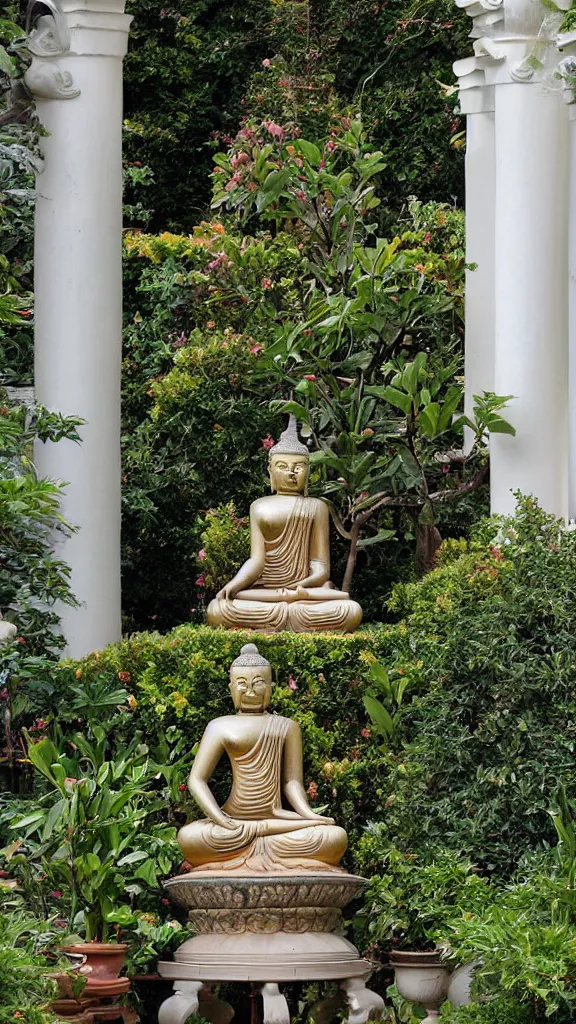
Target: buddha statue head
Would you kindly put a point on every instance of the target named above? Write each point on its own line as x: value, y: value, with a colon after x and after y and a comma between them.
x: 289, y: 462
x: 251, y: 681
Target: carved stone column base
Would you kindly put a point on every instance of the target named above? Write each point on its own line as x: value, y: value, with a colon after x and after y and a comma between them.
x: 363, y: 1004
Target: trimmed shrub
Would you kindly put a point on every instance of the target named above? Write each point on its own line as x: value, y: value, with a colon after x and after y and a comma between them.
x: 488, y: 726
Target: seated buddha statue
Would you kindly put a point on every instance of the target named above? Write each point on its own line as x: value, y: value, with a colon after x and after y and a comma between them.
x: 253, y: 832
x: 285, y: 584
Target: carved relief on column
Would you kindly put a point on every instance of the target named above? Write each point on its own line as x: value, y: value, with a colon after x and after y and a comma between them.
x: 48, y: 40
x: 513, y: 41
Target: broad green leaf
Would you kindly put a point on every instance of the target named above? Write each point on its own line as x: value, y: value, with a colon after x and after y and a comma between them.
x: 379, y: 716
x: 428, y: 419
x: 54, y: 814
x: 377, y: 538
x: 309, y: 151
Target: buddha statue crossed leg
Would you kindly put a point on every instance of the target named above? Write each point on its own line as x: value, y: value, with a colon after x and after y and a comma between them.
x: 285, y: 584
x: 252, y: 832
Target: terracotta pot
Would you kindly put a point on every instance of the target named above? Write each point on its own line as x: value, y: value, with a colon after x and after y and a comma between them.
x: 105, y: 960
x: 421, y: 978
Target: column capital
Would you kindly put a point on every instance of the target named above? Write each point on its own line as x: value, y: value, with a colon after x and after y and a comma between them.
x: 514, y: 41
x: 59, y: 29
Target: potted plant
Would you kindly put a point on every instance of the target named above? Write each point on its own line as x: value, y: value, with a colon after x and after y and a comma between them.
x: 94, y: 841
x: 407, y: 908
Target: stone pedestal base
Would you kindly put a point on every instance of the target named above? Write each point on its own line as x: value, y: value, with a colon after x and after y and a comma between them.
x: 266, y: 930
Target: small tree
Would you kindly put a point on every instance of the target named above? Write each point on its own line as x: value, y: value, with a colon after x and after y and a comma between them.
x: 373, y: 364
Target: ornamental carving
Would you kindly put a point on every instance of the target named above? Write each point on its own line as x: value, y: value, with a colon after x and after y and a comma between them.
x: 296, y: 920
x: 239, y: 894
x: 48, y: 39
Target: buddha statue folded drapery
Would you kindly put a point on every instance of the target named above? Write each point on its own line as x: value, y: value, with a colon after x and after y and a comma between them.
x: 285, y: 584
x: 253, y: 832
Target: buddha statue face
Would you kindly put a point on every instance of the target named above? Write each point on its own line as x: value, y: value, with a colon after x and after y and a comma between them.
x: 251, y: 688
x: 288, y: 473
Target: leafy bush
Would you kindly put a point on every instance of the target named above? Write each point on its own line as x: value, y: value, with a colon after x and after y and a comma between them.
x: 18, y: 162
x: 225, y: 546
x: 32, y: 578
x: 497, y: 1011
x: 488, y: 721
x: 191, y: 72
x: 24, y: 977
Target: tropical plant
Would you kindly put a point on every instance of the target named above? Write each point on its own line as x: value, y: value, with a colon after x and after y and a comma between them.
x: 411, y: 903
x: 26, y: 985
x: 19, y: 161
x: 522, y: 939
x: 96, y: 838
x: 373, y: 360
x: 33, y: 580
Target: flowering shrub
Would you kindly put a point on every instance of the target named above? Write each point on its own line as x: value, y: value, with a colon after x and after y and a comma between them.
x: 32, y: 578
x: 482, y: 645
x: 225, y: 546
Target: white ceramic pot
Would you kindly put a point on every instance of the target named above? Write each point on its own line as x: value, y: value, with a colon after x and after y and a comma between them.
x: 421, y: 978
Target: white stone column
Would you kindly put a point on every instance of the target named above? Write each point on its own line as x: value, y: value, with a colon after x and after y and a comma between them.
x: 531, y: 289
x: 477, y: 103
x: 76, y: 77
x: 529, y: 236
x: 567, y: 66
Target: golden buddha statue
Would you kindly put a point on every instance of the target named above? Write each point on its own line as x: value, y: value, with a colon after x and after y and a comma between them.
x: 285, y: 584
x: 253, y: 833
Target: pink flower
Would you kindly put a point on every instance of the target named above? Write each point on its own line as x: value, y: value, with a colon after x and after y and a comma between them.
x: 292, y: 683
x: 56, y: 894
x: 266, y: 282
x: 365, y: 733
x: 310, y: 376
x: 180, y: 340
x: 300, y: 194
x: 202, y: 554
x: 4, y: 694
x: 182, y: 787
x: 268, y: 442
x: 39, y: 724
x: 427, y: 236
x: 331, y: 146
x: 201, y: 582
x: 275, y: 130
x: 220, y: 259
x: 445, y: 468
x: 255, y: 349
x: 266, y: 63
x: 312, y: 791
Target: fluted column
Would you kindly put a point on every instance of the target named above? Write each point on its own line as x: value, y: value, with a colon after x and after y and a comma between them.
x: 76, y: 77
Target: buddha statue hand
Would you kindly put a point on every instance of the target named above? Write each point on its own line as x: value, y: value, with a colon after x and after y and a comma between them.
x: 285, y: 815
x: 228, y: 593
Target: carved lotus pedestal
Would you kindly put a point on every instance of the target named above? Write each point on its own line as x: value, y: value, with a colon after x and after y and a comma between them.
x: 266, y: 930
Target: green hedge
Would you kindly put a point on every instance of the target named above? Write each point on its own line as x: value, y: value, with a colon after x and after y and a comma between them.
x: 487, y: 647
x: 180, y: 682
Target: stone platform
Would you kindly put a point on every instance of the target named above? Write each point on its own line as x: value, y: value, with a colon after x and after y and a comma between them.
x: 270, y: 929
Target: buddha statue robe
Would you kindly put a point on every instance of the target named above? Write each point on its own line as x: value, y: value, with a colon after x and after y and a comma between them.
x: 277, y: 599
x: 259, y: 841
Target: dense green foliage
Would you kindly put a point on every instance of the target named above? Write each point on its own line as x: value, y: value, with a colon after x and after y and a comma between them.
x: 195, y: 68
x: 486, y: 645
x: 463, y: 785
x: 25, y: 987
x: 18, y: 161
x: 33, y: 579
x: 221, y: 323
